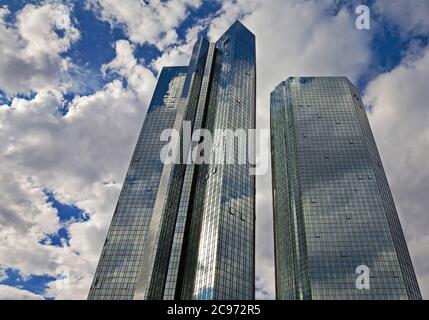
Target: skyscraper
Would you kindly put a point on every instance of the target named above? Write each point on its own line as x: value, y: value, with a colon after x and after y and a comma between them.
x: 336, y: 229
x: 186, y: 230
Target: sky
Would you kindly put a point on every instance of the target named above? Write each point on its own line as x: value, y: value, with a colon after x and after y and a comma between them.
x: 76, y: 78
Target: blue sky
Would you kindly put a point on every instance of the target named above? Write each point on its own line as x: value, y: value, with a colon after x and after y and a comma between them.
x: 76, y: 79
x: 95, y: 46
x: 67, y: 214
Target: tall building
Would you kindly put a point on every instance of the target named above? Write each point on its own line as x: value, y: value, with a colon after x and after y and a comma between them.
x: 186, y: 230
x: 336, y: 229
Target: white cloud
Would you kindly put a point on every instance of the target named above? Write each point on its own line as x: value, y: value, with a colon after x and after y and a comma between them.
x: 3, y: 274
x: 180, y: 53
x: 140, y: 79
x: 11, y: 293
x: 230, y: 11
x: 399, y: 120
x: 410, y: 17
x: 30, y: 50
x: 82, y: 157
x: 153, y: 22
x: 261, y: 292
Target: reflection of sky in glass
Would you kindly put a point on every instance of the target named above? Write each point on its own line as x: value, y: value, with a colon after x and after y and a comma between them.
x: 185, y: 231
x: 225, y: 208
x: 120, y: 260
x: 333, y: 207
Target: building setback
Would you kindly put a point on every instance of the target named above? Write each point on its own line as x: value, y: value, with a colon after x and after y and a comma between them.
x: 187, y: 231
x: 333, y: 209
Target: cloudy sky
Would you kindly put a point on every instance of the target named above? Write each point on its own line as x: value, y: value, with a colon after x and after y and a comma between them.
x: 76, y: 79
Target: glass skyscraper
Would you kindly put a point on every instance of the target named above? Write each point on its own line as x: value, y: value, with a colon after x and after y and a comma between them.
x: 333, y: 209
x: 186, y: 231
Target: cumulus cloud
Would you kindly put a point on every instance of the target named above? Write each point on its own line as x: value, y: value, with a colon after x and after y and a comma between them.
x: 140, y: 79
x: 30, y: 49
x: 3, y: 274
x: 81, y: 157
x: 153, y: 22
x: 180, y: 53
x: 409, y: 17
x: 261, y: 292
x: 399, y: 119
x: 11, y: 293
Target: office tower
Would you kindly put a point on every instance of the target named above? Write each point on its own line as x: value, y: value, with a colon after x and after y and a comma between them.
x: 184, y: 230
x: 336, y: 229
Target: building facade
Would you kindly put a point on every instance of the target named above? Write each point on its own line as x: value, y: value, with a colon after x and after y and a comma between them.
x: 183, y: 230
x: 336, y: 230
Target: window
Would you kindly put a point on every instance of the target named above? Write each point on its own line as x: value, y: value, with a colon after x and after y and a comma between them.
x: 97, y: 283
x: 242, y: 216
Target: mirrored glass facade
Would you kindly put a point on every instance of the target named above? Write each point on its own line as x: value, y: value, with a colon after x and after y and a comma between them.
x: 221, y: 259
x: 186, y: 231
x: 333, y: 209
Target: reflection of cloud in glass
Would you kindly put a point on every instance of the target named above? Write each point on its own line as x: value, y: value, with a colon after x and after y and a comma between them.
x: 333, y: 207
